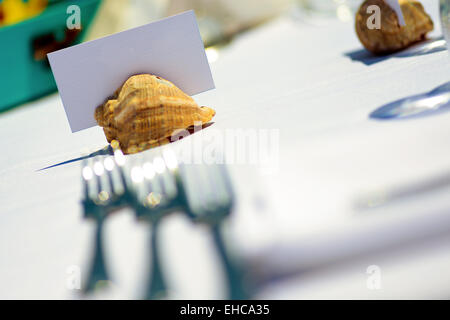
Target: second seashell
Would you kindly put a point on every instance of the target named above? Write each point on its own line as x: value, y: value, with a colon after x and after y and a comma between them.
x: 391, y: 37
x: 146, y: 111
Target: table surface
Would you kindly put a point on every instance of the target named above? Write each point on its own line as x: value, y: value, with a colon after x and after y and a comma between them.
x: 313, y: 83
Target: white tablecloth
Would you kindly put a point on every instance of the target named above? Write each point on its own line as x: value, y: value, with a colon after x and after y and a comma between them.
x: 295, y: 76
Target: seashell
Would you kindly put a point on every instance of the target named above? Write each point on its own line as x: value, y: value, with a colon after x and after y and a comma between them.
x: 146, y: 111
x: 391, y: 36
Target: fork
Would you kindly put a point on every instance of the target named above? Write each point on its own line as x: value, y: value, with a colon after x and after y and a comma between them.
x: 104, y: 192
x: 209, y: 199
x: 156, y: 196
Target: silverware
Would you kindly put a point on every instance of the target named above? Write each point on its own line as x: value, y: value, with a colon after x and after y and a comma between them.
x: 156, y: 195
x: 155, y: 188
x: 209, y: 200
x: 435, y: 100
x: 393, y: 194
x: 105, y: 191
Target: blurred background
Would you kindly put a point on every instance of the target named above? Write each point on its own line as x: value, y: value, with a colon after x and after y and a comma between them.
x: 219, y: 20
x: 33, y: 28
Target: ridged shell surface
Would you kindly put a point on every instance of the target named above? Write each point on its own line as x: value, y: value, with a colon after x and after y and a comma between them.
x: 146, y: 111
x: 390, y: 36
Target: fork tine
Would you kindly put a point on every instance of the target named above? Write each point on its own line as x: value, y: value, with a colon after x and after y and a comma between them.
x: 109, y: 166
x: 86, y: 174
x: 149, y: 176
x: 161, y: 184
x: 222, y: 182
x: 99, y: 171
x: 158, y: 183
x: 119, y: 159
x: 215, y: 187
x: 163, y: 181
x: 191, y: 185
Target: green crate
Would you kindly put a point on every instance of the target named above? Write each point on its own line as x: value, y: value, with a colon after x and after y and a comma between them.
x: 25, y: 73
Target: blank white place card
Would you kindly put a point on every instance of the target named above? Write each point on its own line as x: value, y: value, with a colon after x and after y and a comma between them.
x: 88, y: 73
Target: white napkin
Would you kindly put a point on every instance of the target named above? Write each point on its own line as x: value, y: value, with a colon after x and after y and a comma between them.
x: 396, y: 7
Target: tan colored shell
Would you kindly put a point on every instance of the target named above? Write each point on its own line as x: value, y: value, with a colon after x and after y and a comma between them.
x: 146, y: 111
x: 391, y: 36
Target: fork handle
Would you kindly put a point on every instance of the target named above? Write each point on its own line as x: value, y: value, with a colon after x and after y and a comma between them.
x: 98, y: 271
x: 234, y: 275
x: 157, y: 288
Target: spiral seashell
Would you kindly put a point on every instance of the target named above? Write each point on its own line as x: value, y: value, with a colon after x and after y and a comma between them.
x: 391, y: 36
x: 146, y: 110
